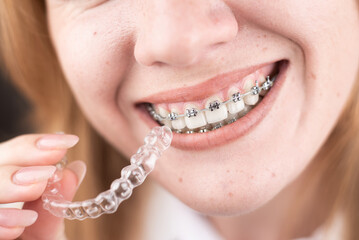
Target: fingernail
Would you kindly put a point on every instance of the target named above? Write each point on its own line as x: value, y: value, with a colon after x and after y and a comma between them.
x: 57, y: 141
x: 30, y: 175
x: 17, y: 217
x: 79, y: 168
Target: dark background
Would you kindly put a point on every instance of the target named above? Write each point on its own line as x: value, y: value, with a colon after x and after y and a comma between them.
x: 13, y: 109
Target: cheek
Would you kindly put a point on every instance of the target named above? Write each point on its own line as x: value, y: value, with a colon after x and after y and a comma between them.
x: 93, y: 46
x: 89, y: 64
x: 94, y: 63
x: 94, y: 60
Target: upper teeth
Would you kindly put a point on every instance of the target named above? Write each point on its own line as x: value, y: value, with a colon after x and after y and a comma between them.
x: 215, y: 110
x: 194, y: 118
x: 236, y: 105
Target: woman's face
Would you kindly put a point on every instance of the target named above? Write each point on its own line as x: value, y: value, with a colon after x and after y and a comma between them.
x: 117, y: 55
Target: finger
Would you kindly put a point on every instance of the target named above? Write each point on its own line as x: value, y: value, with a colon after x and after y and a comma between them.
x: 10, y: 233
x: 36, y: 149
x: 23, y: 184
x: 48, y: 226
x: 13, y: 217
x: 13, y: 221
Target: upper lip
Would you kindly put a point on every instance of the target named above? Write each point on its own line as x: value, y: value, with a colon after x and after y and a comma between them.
x: 202, y: 90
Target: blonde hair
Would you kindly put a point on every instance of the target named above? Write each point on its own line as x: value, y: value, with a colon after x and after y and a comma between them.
x: 32, y: 64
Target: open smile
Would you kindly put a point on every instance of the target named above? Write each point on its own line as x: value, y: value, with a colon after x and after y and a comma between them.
x: 229, y: 107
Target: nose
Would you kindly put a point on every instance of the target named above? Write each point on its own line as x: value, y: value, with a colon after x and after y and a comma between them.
x: 180, y: 32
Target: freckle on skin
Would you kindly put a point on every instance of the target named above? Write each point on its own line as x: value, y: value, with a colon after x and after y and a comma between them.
x: 338, y: 94
x: 273, y: 175
x: 230, y: 194
x: 180, y: 179
x: 227, y: 171
x: 107, y: 62
x: 252, y: 177
x: 264, y: 35
x: 264, y: 49
x: 313, y: 76
x: 94, y: 33
x: 257, y: 45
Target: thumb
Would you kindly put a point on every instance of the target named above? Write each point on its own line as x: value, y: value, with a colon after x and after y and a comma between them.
x: 47, y: 225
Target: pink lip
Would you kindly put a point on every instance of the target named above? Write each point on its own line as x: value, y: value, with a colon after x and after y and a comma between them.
x: 228, y: 133
x: 196, y: 93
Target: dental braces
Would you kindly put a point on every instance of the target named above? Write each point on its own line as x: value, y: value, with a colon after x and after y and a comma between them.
x: 133, y: 175
x: 193, y: 112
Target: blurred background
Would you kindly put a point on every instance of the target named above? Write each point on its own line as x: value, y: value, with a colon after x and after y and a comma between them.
x: 13, y: 109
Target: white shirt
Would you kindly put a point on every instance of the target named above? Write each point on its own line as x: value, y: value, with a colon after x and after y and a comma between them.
x: 169, y: 219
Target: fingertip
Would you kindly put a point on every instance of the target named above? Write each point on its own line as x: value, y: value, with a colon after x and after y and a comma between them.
x: 56, y: 141
x: 13, y: 217
x: 11, y: 233
x: 33, y: 174
x: 79, y: 168
x: 31, y: 216
x: 73, y: 174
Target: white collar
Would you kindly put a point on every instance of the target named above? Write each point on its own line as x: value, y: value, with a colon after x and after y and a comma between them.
x: 167, y: 218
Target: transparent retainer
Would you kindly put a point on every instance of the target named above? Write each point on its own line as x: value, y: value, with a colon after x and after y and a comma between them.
x: 133, y: 175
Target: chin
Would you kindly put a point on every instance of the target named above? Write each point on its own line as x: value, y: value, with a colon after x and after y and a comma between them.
x: 220, y: 192
x: 232, y: 201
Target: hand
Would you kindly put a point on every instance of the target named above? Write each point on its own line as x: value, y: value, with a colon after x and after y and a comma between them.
x: 26, y: 163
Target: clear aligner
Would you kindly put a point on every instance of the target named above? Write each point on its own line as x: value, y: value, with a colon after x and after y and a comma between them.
x: 133, y: 175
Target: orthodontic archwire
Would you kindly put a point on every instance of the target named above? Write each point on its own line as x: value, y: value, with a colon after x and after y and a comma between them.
x: 236, y: 97
x: 133, y: 175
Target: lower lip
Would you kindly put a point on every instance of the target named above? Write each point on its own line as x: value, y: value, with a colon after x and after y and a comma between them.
x: 230, y: 132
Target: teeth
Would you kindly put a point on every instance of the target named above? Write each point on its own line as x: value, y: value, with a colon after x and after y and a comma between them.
x: 164, y: 113
x: 231, y: 119
x: 218, y: 112
x: 261, y: 80
x: 234, y: 107
x: 247, y: 108
x: 248, y: 84
x: 204, y: 130
x: 263, y: 93
x: 196, y: 121
x: 217, y: 125
x: 180, y: 122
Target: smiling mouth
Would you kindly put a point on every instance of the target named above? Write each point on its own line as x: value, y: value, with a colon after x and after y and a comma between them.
x: 193, y: 105
x: 224, y: 107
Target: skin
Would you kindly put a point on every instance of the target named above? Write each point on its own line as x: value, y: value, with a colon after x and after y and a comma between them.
x: 33, y: 222
x: 114, y: 53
